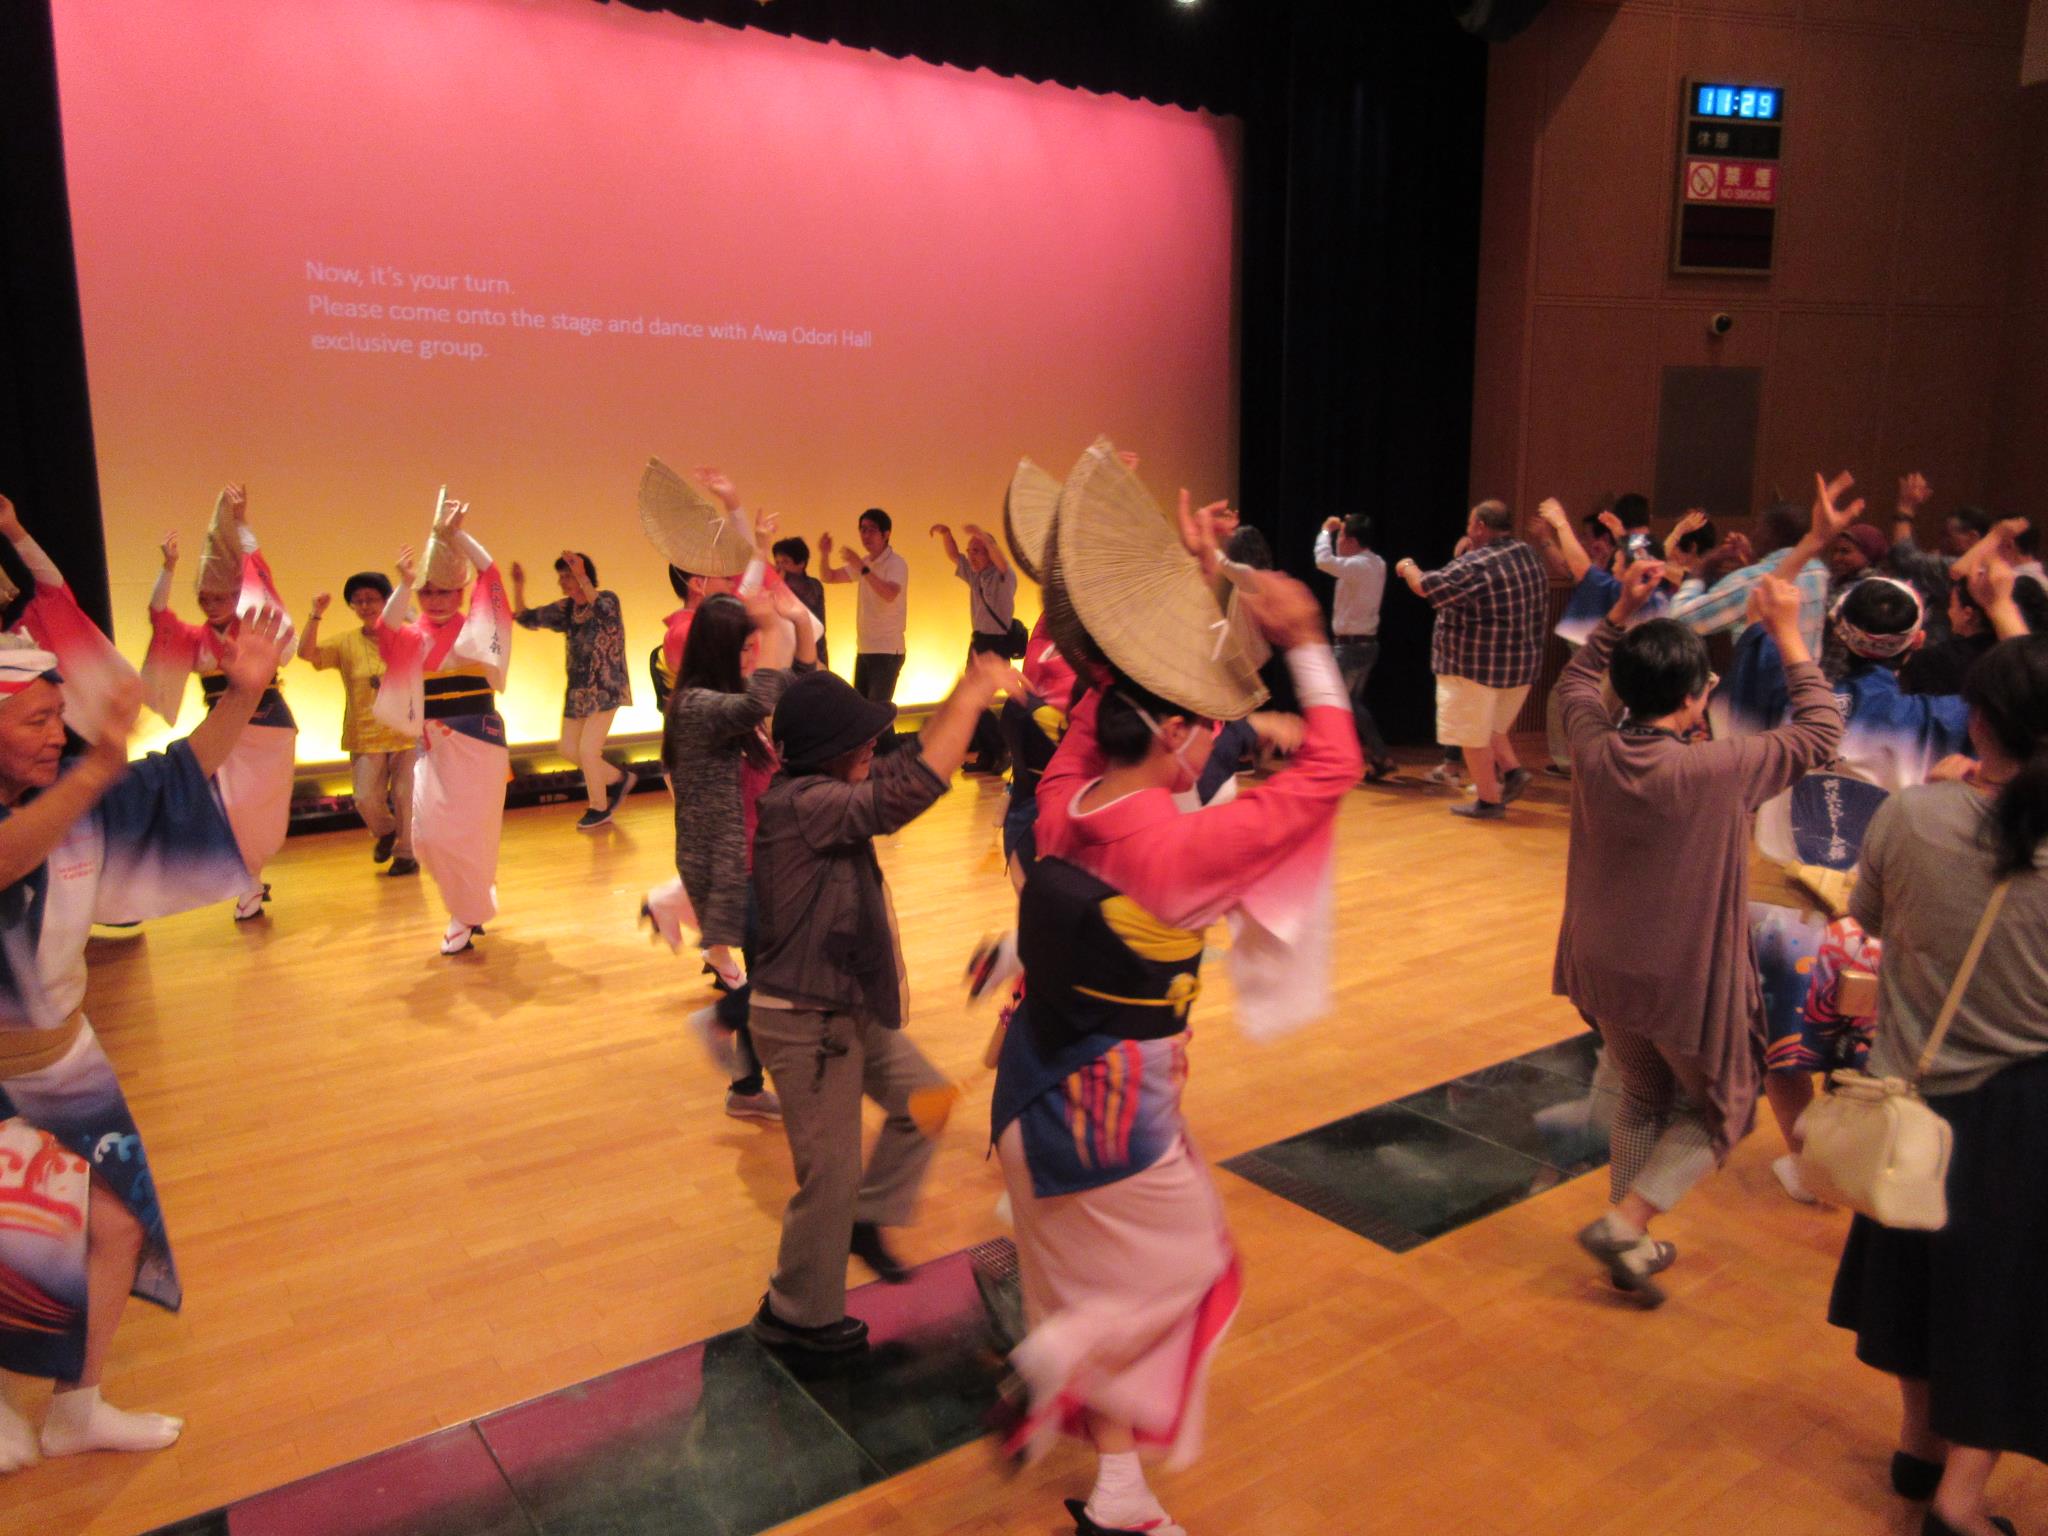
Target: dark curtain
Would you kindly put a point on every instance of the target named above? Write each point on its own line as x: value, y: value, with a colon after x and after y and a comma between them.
x: 1358, y: 270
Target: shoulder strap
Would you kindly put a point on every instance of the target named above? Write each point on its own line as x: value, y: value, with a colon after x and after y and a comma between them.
x: 1962, y: 981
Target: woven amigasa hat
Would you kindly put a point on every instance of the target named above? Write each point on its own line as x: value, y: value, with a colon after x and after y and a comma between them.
x: 441, y: 563
x: 689, y: 528
x: 1028, y: 508
x: 1122, y: 577
x: 220, y: 558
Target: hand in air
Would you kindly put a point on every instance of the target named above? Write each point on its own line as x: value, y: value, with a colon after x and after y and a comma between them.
x: 405, y: 565
x: 1694, y: 520
x: 518, y: 574
x: 1913, y: 493
x: 719, y: 484
x: 457, y: 515
x: 2006, y: 531
x: 989, y: 674
x: 249, y: 657
x: 939, y: 531
x: 825, y: 546
x: 1198, y: 531
x: 1282, y: 732
x: 1775, y: 605
x: 169, y: 547
x: 1332, y: 524
x: 1613, y: 525
x: 850, y: 558
x: 1552, y: 513
x: 1637, y: 583
x: 1286, y: 612
x: 321, y: 600
x: 760, y: 606
x: 1829, y: 517
x: 1991, y: 582
x: 10, y: 521
x: 235, y: 499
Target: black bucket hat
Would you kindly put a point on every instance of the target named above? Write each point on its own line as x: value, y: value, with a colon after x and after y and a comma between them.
x: 820, y: 717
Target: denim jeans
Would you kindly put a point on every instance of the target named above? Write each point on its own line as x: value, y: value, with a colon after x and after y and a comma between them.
x: 1355, y: 660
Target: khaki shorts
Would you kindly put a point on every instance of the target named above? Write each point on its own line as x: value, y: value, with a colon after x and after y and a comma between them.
x: 1470, y: 714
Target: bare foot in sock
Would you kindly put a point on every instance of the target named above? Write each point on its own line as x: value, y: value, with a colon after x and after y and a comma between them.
x: 17, y: 1440
x: 80, y: 1421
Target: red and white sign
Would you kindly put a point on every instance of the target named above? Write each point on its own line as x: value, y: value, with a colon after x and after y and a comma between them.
x: 1731, y: 181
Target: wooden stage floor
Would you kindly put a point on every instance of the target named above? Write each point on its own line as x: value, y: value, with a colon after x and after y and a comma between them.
x: 405, y: 1191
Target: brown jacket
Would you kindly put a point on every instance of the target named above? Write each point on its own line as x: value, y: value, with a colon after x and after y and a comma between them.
x: 827, y: 937
x: 1655, y: 937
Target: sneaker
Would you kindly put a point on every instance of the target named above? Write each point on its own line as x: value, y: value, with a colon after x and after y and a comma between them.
x: 1630, y: 1262
x: 1514, y: 785
x: 622, y: 786
x: 592, y: 819
x: 762, y: 1106
x: 720, y: 1043
x: 869, y: 1248
x: 1482, y: 810
x: 1446, y: 775
x: 382, y: 850
x: 842, y: 1337
x: 1789, y: 1180
x: 401, y: 867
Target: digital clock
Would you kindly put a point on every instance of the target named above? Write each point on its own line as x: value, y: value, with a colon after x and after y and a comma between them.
x: 1756, y: 103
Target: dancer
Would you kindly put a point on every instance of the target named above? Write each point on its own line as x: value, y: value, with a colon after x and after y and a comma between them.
x: 256, y: 780
x: 793, y: 560
x: 830, y: 993
x: 442, y: 672
x: 1672, y: 987
x: 1129, y: 1273
x: 884, y: 606
x: 598, y: 685
x: 1361, y: 576
x: 380, y: 760
x: 993, y: 628
x: 84, y: 836
x: 52, y: 620
x: 719, y: 761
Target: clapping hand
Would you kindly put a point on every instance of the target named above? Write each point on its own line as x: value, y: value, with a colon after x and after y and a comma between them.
x: 1642, y: 578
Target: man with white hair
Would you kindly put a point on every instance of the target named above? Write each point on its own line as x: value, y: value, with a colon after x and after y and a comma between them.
x: 86, y: 834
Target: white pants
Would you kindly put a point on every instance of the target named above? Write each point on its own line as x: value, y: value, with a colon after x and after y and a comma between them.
x: 583, y: 744
x: 458, y: 814
x: 256, y: 791
x: 383, y: 790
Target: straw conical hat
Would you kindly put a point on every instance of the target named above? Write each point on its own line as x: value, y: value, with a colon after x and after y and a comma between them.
x: 1122, y: 574
x: 441, y: 563
x: 220, y: 558
x: 689, y: 528
x: 1028, y: 509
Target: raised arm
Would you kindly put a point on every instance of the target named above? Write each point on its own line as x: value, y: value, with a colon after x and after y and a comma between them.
x: 310, y: 649
x: 996, y: 554
x: 1913, y: 494
x: 40, y: 566
x: 160, y: 594
x: 1829, y: 519
x: 954, y: 558
x: 1576, y: 561
x: 1991, y: 580
x: 1581, y: 698
x: 399, y: 603
x: 1772, y: 761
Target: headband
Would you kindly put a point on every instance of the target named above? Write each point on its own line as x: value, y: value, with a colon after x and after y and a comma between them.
x: 20, y: 666
x: 1877, y: 647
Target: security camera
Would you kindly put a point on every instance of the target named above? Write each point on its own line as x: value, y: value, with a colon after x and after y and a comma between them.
x: 1721, y: 324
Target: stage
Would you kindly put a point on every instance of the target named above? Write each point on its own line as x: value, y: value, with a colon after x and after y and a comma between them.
x: 406, y: 1191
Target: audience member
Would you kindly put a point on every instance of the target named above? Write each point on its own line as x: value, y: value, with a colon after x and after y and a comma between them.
x: 883, y: 607
x: 992, y: 624
x: 598, y: 684
x: 793, y: 560
x: 1361, y: 575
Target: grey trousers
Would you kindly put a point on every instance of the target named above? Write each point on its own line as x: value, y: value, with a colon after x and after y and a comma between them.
x: 822, y: 1064
x: 1659, y: 1146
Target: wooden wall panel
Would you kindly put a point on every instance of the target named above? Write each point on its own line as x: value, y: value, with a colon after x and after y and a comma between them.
x: 1833, y: 365
x: 1594, y: 428
x: 1960, y: 186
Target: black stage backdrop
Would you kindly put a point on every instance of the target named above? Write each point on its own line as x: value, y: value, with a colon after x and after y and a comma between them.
x: 1359, y: 253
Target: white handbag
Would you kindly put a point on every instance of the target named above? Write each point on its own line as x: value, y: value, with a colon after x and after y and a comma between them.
x: 1873, y: 1144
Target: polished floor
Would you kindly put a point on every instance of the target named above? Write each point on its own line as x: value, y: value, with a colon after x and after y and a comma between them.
x: 417, y: 1203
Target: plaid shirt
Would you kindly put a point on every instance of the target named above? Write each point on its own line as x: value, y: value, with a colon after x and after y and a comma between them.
x: 1489, y: 615
x: 1708, y: 610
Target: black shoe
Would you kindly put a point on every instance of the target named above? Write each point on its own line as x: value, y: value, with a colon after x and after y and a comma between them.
x: 869, y: 1248
x: 1083, y: 1526
x: 1513, y: 785
x: 840, y: 1338
x: 621, y: 787
x: 591, y: 820
x: 383, y: 849
x: 1934, y: 1525
x: 1915, y: 1477
x: 403, y: 867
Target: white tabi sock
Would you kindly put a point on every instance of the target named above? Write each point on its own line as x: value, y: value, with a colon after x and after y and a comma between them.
x: 1121, y: 1500
x: 80, y: 1421
x: 17, y: 1440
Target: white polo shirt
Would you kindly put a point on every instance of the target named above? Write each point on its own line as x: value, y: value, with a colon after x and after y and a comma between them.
x: 884, y: 621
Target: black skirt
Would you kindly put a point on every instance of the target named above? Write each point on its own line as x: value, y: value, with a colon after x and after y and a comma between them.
x: 1966, y: 1308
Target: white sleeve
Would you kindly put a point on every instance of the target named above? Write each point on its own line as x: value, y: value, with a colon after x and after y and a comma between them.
x: 472, y: 551
x: 1317, y: 682
x: 39, y: 564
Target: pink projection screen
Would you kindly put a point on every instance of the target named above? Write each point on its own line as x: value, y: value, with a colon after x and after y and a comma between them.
x: 345, y: 252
